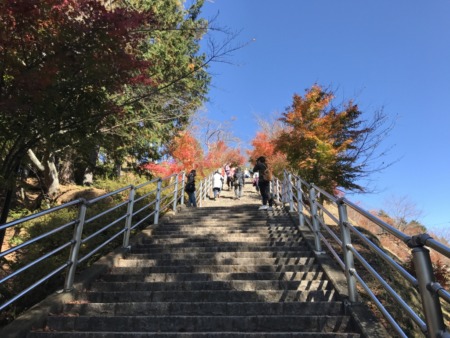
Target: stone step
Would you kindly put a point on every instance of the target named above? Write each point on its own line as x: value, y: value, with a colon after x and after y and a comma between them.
x: 260, y: 323
x: 224, y: 247
x: 184, y: 230
x: 212, y: 269
x: 313, y: 274
x: 108, y: 334
x: 212, y: 221
x: 235, y: 222
x: 238, y: 285
x: 220, y: 239
x: 238, y: 232
x: 220, y: 255
x: 96, y: 334
x: 224, y: 272
x: 205, y: 309
x: 206, y: 215
x: 210, y: 296
x: 129, y: 262
x: 227, y: 240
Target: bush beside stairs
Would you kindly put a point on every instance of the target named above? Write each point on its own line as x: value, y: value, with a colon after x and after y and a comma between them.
x: 224, y: 270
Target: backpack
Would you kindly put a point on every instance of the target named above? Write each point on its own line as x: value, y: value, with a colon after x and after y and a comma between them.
x: 190, y: 185
x: 267, y: 174
x: 238, y: 179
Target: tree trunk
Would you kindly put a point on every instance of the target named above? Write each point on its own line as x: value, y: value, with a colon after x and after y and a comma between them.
x: 88, y: 178
x: 49, y: 171
x: 51, y: 178
x: 66, y: 171
x: 5, y: 212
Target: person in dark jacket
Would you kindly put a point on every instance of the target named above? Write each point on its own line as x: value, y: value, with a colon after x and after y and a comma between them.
x: 264, y: 186
x: 190, y: 189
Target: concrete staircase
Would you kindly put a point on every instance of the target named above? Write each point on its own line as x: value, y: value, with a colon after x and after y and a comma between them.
x: 217, y: 271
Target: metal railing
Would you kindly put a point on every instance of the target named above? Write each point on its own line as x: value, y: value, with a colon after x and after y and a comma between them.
x: 303, y: 199
x: 101, y: 222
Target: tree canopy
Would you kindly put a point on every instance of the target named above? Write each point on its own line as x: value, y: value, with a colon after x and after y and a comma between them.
x: 329, y: 145
x: 79, y: 75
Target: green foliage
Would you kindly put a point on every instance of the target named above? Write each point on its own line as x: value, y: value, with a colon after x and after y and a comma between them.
x: 156, y: 112
x: 19, y: 213
x: 120, y: 182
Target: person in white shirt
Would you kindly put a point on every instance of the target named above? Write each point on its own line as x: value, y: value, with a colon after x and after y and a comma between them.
x: 217, y: 184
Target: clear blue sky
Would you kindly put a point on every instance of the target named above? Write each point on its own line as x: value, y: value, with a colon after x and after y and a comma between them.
x: 385, y: 54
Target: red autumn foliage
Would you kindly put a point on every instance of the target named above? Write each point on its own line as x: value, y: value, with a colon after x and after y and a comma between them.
x: 185, y: 154
x: 263, y: 145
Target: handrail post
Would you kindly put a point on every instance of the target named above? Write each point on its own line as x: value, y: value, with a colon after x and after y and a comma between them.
x: 271, y: 186
x: 158, y: 201
x: 425, y: 277
x: 182, y: 188
x: 278, y: 191
x: 301, y: 217
x: 314, y: 219
x: 283, y: 190
x: 75, y: 248
x: 175, y: 195
x: 200, y: 197
x: 291, y: 193
x: 347, y: 254
x: 129, y: 219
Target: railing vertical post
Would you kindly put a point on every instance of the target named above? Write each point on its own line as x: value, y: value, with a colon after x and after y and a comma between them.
x: 200, y: 197
x: 129, y: 219
x: 314, y: 219
x: 158, y: 202
x: 208, y: 188
x: 278, y: 190
x: 271, y: 192
x: 175, y: 195
x: 347, y: 254
x: 283, y: 190
x: 291, y: 193
x: 425, y: 277
x: 75, y: 248
x: 272, y: 188
x: 301, y: 217
x: 182, y: 187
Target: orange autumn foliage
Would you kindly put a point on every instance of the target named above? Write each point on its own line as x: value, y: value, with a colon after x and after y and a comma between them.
x: 264, y: 145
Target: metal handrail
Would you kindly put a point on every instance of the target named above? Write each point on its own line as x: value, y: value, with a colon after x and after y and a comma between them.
x: 154, y: 206
x: 430, y: 291
x: 293, y: 190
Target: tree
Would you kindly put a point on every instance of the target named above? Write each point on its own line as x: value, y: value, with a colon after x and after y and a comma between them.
x: 264, y: 145
x: 185, y: 153
x: 82, y: 76
x: 404, y: 214
x: 179, y: 78
x: 78, y: 77
x: 331, y: 146
x: 61, y: 62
